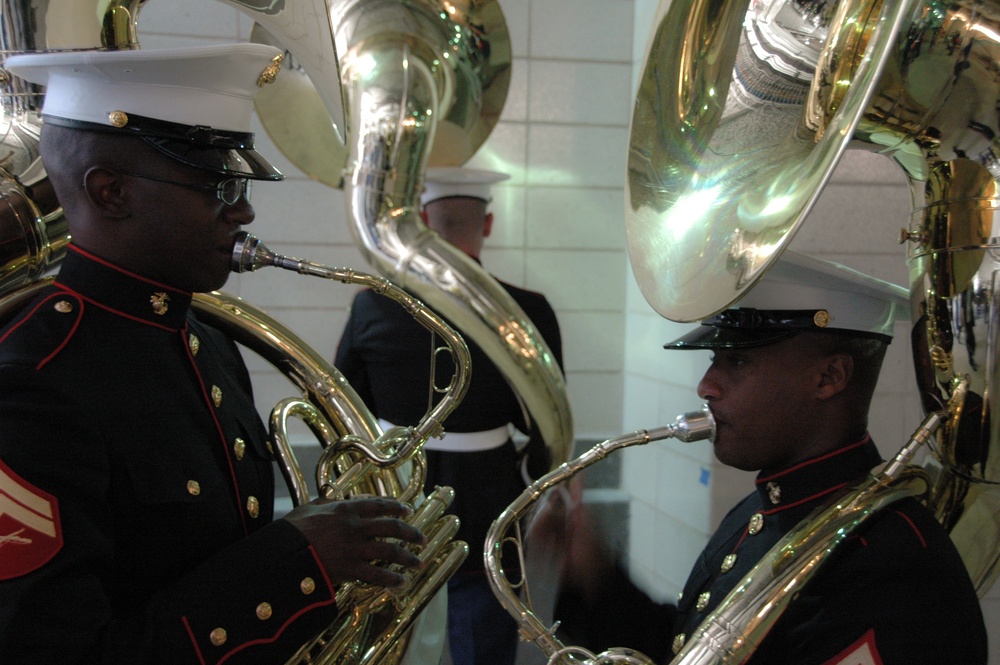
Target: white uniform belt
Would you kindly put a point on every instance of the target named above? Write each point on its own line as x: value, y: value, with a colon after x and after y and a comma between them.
x: 464, y: 442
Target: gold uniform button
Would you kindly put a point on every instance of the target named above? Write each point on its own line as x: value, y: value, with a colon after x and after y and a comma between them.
x: 264, y: 611
x: 118, y: 118
x: 728, y: 563
x: 218, y: 636
x: 194, y: 487
x: 253, y: 506
x: 217, y: 395
x: 679, y: 642
x: 194, y: 344
x: 239, y: 448
x: 703, y: 601
x: 63, y: 307
x: 308, y: 585
x: 756, y: 524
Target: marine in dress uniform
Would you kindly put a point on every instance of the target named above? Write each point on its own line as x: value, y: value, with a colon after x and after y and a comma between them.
x: 386, y: 356
x: 136, y: 486
x: 895, y: 592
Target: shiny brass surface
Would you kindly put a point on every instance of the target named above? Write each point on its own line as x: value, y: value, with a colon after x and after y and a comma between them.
x: 731, y: 141
x: 464, y: 44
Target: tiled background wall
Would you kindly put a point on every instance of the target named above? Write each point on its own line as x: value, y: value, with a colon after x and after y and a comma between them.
x: 563, y: 136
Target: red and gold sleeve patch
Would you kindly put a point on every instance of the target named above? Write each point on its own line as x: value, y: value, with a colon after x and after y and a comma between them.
x: 862, y: 652
x: 30, y: 531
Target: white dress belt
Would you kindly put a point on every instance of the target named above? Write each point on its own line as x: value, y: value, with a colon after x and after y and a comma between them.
x: 463, y: 442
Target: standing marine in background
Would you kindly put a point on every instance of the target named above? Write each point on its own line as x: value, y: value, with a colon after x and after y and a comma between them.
x: 386, y: 357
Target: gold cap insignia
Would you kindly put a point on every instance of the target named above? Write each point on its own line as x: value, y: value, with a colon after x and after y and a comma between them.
x: 271, y: 71
x: 160, y: 302
x: 821, y: 318
x: 118, y: 118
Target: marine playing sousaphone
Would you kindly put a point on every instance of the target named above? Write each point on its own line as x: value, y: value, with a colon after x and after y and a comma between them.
x: 742, y: 112
x: 425, y: 64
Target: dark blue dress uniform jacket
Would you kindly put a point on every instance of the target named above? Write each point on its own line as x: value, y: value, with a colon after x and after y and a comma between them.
x: 895, y: 592
x: 386, y: 356
x: 134, y: 423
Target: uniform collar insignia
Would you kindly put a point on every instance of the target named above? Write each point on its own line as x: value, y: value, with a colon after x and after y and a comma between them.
x: 121, y: 292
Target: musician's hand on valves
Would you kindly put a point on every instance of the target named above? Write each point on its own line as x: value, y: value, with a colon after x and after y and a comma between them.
x: 357, y: 539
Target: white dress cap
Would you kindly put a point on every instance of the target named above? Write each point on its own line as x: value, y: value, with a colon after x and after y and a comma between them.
x: 209, y: 85
x: 455, y: 181
x: 800, y: 293
x: 162, y: 94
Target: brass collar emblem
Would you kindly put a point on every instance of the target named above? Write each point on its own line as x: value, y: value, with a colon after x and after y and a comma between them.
x: 160, y: 302
x: 774, y: 492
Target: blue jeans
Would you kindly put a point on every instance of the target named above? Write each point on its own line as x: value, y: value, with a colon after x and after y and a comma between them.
x: 480, y: 630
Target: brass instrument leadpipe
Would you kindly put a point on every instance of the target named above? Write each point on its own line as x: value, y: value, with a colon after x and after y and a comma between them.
x: 692, y: 426
x: 250, y: 254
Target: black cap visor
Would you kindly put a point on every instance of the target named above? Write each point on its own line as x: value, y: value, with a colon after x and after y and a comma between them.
x: 712, y: 337
x: 218, y: 151
x: 243, y: 161
x: 746, y: 327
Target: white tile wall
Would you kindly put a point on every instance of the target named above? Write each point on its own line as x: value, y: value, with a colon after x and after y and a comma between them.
x: 563, y: 136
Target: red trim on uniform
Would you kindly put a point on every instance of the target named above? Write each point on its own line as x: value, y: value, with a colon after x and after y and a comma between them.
x: 114, y: 311
x: 72, y: 331
x: 920, y: 536
x: 97, y: 259
x: 218, y: 427
x: 812, y: 461
x: 194, y: 642
x: 329, y: 584
x: 62, y: 345
x: 273, y: 638
x: 866, y: 640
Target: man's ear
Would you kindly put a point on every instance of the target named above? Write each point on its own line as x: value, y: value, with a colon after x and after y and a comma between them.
x: 487, y: 225
x: 836, y: 371
x: 105, y: 191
